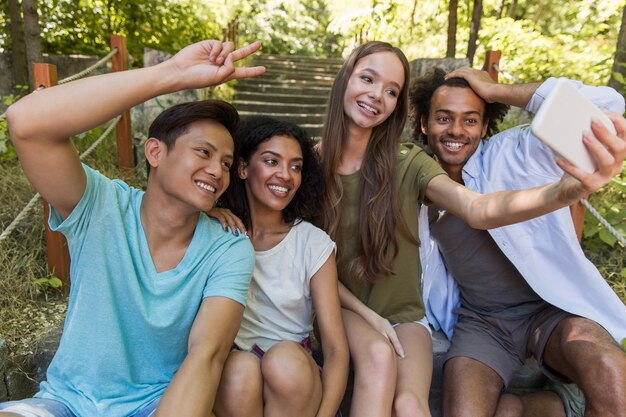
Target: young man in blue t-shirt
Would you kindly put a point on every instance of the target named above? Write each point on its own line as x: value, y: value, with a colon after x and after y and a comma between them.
x: 158, y: 289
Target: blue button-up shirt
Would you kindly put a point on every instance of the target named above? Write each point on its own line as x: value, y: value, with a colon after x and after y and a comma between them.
x: 545, y: 250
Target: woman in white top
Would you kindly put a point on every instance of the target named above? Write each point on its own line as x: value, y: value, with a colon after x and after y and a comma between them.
x: 275, y: 191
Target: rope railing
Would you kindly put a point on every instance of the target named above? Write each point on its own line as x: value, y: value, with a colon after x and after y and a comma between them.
x: 81, y: 74
x: 583, y: 201
x: 505, y: 74
x: 603, y: 222
x: 22, y: 215
x: 90, y: 69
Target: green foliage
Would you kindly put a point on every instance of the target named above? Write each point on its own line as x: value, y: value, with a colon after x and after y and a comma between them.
x: 7, y: 152
x: 610, y: 202
x: 47, y: 284
x: 84, y: 26
x: 288, y: 27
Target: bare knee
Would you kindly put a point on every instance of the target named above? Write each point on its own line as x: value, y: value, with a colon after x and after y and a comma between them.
x: 241, y: 386
x: 509, y: 405
x: 288, y: 371
x: 377, y: 357
x: 406, y: 404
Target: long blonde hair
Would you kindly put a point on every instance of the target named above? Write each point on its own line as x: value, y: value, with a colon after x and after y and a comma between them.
x: 378, y: 208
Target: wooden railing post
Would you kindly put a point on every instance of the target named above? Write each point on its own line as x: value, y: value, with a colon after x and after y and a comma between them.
x: 125, y: 154
x: 45, y: 75
x: 493, y: 57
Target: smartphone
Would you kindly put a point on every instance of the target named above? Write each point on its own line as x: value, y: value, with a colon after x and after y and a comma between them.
x: 561, y: 120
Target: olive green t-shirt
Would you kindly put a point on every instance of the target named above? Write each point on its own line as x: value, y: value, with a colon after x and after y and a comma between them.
x: 395, y: 297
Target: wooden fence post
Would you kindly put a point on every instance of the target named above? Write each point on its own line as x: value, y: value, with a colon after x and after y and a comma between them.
x: 493, y: 57
x: 125, y: 154
x: 45, y: 75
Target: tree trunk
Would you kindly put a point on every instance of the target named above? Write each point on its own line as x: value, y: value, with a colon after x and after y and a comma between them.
x: 452, y: 25
x: 618, y: 72
x: 413, y: 18
x: 19, y: 66
x: 32, y: 34
x: 501, y: 6
x: 477, y: 14
x: 512, y: 9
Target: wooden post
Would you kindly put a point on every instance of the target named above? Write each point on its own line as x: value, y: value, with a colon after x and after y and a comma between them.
x: 493, y: 57
x: 45, y: 75
x: 125, y: 154
x: 577, y: 211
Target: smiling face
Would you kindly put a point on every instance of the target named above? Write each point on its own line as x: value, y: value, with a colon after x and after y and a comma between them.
x: 196, y: 170
x: 273, y: 174
x: 455, y: 126
x: 373, y: 89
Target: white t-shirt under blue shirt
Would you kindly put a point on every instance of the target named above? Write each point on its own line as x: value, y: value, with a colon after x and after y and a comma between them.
x: 127, y: 325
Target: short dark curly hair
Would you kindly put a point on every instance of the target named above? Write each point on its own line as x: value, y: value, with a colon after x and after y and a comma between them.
x: 253, y: 131
x: 422, y: 90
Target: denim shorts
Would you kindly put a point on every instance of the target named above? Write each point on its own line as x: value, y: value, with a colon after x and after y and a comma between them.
x: 44, y: 407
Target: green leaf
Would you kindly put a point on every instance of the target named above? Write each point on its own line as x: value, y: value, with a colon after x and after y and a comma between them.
x: 607, y: 237
x: 619, y: 77
x: 55, y: 282
x: 42, y: 281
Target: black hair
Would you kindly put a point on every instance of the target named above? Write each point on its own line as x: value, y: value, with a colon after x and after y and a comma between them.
x: 253, y: 131
x: 174, y: 122
x: 421, y: 93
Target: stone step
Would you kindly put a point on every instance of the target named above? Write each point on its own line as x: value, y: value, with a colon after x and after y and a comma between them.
x: 298, y: 74
x: 278, y: 107
x: 312, y: 123
x: 242, y: 96
x: 304, y: 66
x: 301, y: 59
x: 247, y: 86
x: 286, y: 82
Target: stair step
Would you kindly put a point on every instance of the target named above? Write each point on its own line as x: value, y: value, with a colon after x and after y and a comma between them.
x: 301, y: 119
x: 278, y: 107
x: 320, y: 100
x: 287, y: 82
x: 246, y: 86
x: 297, y: 74
x: 301, y: 58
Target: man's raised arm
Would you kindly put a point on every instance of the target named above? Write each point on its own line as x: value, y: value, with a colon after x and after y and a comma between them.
x: 41, y: 123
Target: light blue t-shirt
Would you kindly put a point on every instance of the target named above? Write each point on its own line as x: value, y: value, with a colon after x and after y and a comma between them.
x: 127, y: 326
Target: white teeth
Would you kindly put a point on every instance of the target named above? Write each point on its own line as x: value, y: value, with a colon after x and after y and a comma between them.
x: 453, y: 145
x: 205, y: 186
x: 368, y: 108
x: 277, y: 188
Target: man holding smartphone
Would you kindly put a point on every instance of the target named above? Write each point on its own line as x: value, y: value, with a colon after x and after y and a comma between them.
x: 522, y: 290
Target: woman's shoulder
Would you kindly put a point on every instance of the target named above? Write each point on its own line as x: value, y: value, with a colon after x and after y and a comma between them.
x: 304, y: 227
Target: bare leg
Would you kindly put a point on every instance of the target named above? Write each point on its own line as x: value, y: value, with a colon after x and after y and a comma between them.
x: 470, y: 388
x: 292, y: 384
x: 414, y: 371
x: 241, y: 387
x: 375, y: 369
x: 585, y: 353
x: 536, y: 404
